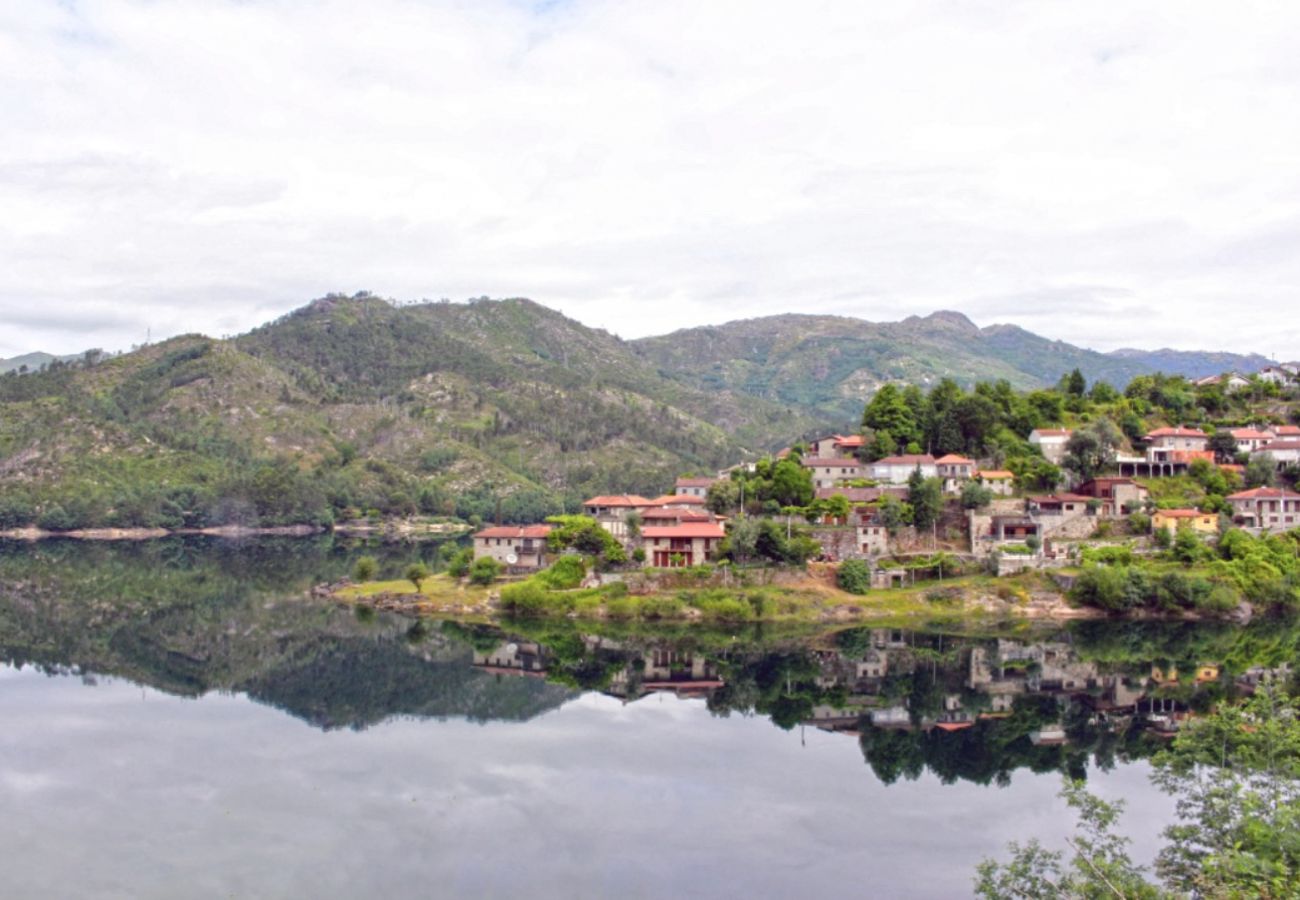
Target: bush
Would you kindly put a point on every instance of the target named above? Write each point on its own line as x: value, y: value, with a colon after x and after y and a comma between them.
x: 853, y: 576
x: 484, y: 570
x: 416, y: 573
x: 526, y: 598
x: 565, y: 574
x: 365, y: 569
x: 458, y: 565
x: 1110, y: 556
x: 1139, y: 523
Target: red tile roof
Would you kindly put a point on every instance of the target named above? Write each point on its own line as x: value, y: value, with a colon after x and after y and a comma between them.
x: 851, y: 440
x: 1265, y: 493
x: 515, y: 531
x: 842, y: 461
x: 1279, y: 445
x: 1251, y: 434
x: 617, y: 500
x: 995, y: 474
x: 1060, y: 498
x: 908, y: 459
x: 1180, y: 431
x: 1181, y: 513
x: 674, y: 515
x: 695, y: 482
x: 676, y: 500
x: 952, y: 459
x: 686, y: 530
x: 1287, y: 431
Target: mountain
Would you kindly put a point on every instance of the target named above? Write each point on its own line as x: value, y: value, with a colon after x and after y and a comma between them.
x: 493, y: 408
x: 32, y: 361
x: 1194, y: 363
x: 831, y: 364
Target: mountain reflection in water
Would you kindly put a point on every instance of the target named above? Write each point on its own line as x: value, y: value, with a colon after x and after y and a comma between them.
x: 535, y: 750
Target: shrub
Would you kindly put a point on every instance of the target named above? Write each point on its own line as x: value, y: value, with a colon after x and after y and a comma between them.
x: 416, y: 573
x: 565, y: 574
x: 1110, y: 556
x: 853, y: 576
x: 526, y: 598
x: 661, y: 607
x: 484, y: 570
x: 1139, y: 523
x: 458, y: 565
x: 365, y: 569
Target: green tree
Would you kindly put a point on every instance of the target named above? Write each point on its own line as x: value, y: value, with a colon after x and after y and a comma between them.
x: 365, y: 569
x: 458, y: 565
x: 1261, y: 471
x: 926, y: 498
x: 853, y: 576
x: 1090, y: 450
x: 889, y: 412
x: 485, y: 570
x: 416, y: 573
x: 975, y: 495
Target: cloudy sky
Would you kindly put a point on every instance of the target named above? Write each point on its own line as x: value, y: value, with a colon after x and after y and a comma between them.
x: 1106, y: 173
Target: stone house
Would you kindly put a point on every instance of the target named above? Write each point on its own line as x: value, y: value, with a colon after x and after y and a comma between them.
x: 1266, y: 508
x: 1051, y: 442
x: 688, y: 544
x: 830, y: 471
x: 516, y: 546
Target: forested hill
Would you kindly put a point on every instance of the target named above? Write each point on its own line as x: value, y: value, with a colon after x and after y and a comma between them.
x: 830, y: 363
x: 351, y: 404
x: 491, y: 408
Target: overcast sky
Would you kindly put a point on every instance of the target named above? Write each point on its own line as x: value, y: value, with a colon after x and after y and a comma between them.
x: 1110, y: 174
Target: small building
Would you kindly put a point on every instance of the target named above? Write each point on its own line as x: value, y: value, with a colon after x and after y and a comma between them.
x: 1275, y: 375
x: 688, y: 544
x: 1250, y: 439
x: 1284, y: 453
x: 516, y: 546
x: 1051, y: 442
x: 1014, y: 528
x: 612, y: 511
x: 1057, y: 504
x: 898, y: 469
x: 1173, y: 519
x: 999, y: 481
x: 695, y: 487
x: 954, y: 470
x: 1117, y: 495
x: 873, y: 537
x: 835, y: 446
x: 1266, y: 508
x: 1176, y: 444
x: 688, y: 501
x: 830, y: 471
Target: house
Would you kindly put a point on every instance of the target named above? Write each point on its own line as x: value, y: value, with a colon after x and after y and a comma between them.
x: 612, y: 511
x: 861, y: 496
x: 1250, y: 439
x: 696, y: 487
x: 1284, y: 453
x: 1287, y: 432
x: 1118, y: 495
x: 689, y: 501
x: 1181, y: 444
x: 674, y: 515
x: 513, y: 658
x: 898, y: 469
x: 827, y: 471
x: 1051, y: 442
x: 1014, y: 528
x: 954, y: 470
x: 688, y: 544
x: 1234, y: 381
x: 836, y: 445
x: 999, y: 481
x: 873, y: 536
x: 517, y: 546
x: 1173, y: 519
x: 1275, y: 375
x: 1057, y: 504
x: 1266, y: 508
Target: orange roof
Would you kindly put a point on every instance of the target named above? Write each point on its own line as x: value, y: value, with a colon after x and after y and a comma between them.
x: 1180, y: 431
x: 852, y: 440
x: 617, y: 500
x: 695, y: 482
x: 1287, y: 431
x: 515, y: 531
x: 1279, y: 445
x: 1251, y: 434
x: 679, y: 515
x: 686, y: 530
x: 952, y: 459
x: 1265, y: 493
x: 676, y: 500
x: 1181, y: 513
x: 996, y: 474
x: 953, y: 726
x: 842, y: 461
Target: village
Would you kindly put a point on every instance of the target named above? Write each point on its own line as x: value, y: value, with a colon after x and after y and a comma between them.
x: 981, y: 513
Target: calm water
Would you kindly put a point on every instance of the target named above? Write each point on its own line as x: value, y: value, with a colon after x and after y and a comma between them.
x: 177, y: 719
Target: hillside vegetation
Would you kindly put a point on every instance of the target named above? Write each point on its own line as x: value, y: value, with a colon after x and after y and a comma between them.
x: 491, y: 409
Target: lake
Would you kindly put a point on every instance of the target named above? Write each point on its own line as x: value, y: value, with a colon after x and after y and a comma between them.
x: 179, y: 719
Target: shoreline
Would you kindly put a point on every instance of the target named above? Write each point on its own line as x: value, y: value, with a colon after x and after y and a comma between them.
x: 394, y: 529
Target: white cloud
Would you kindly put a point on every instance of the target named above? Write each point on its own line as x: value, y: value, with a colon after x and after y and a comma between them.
x: 1081, y: 169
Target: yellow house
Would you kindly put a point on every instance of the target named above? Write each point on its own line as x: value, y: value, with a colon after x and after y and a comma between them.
x: 1173, y: 519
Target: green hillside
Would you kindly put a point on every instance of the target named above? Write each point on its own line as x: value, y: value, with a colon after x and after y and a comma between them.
x: 830, y: 364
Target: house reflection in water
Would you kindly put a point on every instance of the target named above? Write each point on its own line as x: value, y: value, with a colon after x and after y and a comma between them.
x: 661, y: 669
x: 513, y: 658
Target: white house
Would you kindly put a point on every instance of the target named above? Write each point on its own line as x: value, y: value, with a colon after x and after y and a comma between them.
x: 1051, y: 442
x: 1275, y: 375
x: 830, y: 471
x: 897, y: 469
x: 1270, y: 509
x: 1250, y: 439
x: 1284, y: 453
x: 514, y: 545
